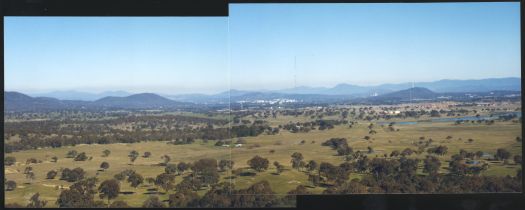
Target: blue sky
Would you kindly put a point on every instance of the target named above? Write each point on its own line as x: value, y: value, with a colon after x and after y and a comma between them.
x: 369, y: 44
x: 255, y: 47
x: 137, y: 54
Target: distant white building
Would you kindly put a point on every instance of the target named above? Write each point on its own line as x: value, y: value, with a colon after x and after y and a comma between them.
x: 392, y: 112
x: 238, y: 145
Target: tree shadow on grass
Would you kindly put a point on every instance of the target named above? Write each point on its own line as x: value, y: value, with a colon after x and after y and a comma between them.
x: 247, y: 173
x: 158, y: 164
x: 154, y: 192
x: 325, y: 185
x: 309, y: 186
x: 127, y: 193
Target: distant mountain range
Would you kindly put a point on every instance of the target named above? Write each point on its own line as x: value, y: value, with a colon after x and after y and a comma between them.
x: 411, y: 93
x: 83, y: 96
x: 340, y: 93
x: 347, y: 90
x: 441, y: 86
x: 15, y: 101
x: 142, y: 100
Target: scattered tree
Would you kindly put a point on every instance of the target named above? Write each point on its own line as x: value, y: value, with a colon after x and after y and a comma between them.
x: 182, y: 166
x: 9, y: 160
x: 71, y: 154
x: 35, y: 202
x: 51, y: 174
x: 10, y: 185
x: 278, y: 167
x: 312, y: 165
x: 166, y: 159
x: 135, y: 180
x: 226, y: 164
x: 258, y: 163
x: 165, y: 181
x: 104, y: 165
x: 119, y: 204
x: 502, y: 154
x: 171, y: 169
x: 106, y: 153
x: 431, y: 165
x: 81, y: 157
x: 517, y: 159
x: 153, y: 202
x: 133, y: 155
x: 297, y: 157
x: 109, y: 189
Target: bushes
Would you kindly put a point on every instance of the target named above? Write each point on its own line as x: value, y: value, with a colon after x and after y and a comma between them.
x: 72, y: 175
x: 339, y: 144
x: 51, y: 174
x: 9, y: 161
x: 81, y: 157
x: 104, y: 165
x: 71, y: 154
x: 439, y: 150
x: 10, y: 185
x: 258, y: 163
x: 146, y: 154
x: 171, y: 169
x: 502, y: 154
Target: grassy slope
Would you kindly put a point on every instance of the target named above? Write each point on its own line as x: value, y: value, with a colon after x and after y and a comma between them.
x: 486, y: 138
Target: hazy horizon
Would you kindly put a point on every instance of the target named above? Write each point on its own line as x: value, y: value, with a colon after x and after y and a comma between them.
x: 167, y: 93
x: 264, y: 47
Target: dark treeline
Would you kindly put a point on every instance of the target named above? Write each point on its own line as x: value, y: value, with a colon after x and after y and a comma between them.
x: 379, y: 175
x: 382, y: 176
x: 308, y: 126
x: 399, y: 176
x: 201, y: 174
x: 131, y: 129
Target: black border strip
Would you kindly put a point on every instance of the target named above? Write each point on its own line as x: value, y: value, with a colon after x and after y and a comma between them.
x: 492, y: 201
x: 115, y: 7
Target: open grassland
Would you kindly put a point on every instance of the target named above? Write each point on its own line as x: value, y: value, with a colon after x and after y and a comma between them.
x: 486, y: 138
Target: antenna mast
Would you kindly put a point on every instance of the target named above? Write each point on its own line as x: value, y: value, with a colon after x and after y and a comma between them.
x: 411, y: 104
x: 295, y: 72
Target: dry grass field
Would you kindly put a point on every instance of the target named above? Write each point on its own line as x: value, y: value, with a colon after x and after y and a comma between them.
x: 486, y: 138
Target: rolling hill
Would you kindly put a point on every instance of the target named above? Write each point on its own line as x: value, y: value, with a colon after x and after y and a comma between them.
x: 78, y: 95
x: 415, y: 93
x: 440, y: 86
x: 142, y: 100
x: 15, y: 101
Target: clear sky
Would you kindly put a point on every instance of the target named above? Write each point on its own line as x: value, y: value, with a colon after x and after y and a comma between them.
x: 255, y: 48
x: 368, y: 44
x: 136, y: 54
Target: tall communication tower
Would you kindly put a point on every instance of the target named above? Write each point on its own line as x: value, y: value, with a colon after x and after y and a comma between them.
x: 295, y: 72
x: 411, y: 104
